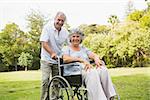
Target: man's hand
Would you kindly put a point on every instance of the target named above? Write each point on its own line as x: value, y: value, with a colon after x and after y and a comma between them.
x: 54, y: 55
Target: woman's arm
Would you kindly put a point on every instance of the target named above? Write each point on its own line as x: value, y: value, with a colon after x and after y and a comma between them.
x: 96, y: 59
x: 68, y: 59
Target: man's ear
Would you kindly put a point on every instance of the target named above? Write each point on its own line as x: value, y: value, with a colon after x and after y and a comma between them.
x: 81, y: 41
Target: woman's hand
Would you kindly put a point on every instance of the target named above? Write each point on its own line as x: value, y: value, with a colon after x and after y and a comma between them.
x: 98, y: 62
x: 88, y: 66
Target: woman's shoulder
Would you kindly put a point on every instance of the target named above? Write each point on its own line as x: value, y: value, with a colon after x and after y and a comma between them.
x: 82, y: 47
x: 65, y: 48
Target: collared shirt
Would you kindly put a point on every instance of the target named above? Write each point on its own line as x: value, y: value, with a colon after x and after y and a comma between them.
x: 77, y: 67
x: 55, y: 39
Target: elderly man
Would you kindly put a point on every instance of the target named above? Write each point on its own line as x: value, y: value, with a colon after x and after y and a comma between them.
x: 52, y: 39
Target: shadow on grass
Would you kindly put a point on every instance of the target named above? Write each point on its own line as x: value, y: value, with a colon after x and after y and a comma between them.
x: 26, y: 89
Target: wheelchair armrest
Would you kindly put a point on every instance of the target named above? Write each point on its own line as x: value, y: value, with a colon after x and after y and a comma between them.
x: 70, y: 62
x: 62, y: 62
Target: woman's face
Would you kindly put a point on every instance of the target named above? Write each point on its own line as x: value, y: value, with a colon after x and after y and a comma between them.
x: 75, y: 39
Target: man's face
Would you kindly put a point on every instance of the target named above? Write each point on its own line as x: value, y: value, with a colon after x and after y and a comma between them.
x: 59, y: 22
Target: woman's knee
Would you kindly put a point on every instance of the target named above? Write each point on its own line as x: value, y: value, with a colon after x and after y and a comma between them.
x: 102, y: 69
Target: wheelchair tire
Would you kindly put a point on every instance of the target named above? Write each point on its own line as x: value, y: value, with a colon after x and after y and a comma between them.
x: 117, y: 97
x: 61, y: 88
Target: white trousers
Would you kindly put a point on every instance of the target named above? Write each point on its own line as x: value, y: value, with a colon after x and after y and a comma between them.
x: 98, y: 83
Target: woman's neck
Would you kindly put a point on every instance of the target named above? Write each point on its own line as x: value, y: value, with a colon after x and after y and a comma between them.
x: 75, y: 47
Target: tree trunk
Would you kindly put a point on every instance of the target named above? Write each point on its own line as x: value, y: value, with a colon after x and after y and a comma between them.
x: 15, y: 67
x: 26, y: 68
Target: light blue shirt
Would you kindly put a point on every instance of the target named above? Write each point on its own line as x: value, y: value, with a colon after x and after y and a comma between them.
x: 55, y: 40
x: 78, y: 67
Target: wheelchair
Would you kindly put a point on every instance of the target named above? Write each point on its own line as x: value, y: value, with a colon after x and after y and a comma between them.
x: 68, y: 87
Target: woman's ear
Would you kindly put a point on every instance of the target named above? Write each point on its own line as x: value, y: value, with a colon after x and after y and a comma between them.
x: 70, y: 40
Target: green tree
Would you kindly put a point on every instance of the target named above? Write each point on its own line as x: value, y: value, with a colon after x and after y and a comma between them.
x: 135, y: 16
x: 36, y: 22
x: 25, y: 60
x: 11, y: 40
x: 148, y: 4
x: 128, y: 46
x: 113, y: 20
x: 145, y: 20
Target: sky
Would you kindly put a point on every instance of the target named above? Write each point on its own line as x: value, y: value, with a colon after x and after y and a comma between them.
x: 77, y: 11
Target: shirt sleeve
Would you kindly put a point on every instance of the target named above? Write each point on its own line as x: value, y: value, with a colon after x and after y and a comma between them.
x: 44, y: 36
x: 88, y: 51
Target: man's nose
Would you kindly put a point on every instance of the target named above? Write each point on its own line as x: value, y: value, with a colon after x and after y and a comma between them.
x: 61, y: 22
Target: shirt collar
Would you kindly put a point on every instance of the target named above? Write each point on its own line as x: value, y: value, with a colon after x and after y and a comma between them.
x: 53, y: 27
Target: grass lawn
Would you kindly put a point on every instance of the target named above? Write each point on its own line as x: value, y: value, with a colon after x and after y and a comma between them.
x: 131, y: 84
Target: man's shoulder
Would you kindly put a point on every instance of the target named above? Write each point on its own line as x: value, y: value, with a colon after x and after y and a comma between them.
x: 48, y: 26
x: 64, y: 33
x: 64, y: 29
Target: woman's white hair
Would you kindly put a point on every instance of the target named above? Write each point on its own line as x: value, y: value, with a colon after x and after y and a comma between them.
x: 76, y: 31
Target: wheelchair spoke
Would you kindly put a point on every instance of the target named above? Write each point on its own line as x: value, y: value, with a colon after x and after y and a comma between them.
x: 59, y: 90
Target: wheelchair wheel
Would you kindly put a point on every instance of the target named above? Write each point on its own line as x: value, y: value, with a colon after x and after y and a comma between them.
x: 117, y: 97
x: 59, y: 89
x: 81, y: 93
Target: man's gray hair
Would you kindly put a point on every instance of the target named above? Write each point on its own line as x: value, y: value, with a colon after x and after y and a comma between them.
x: 60, y: 14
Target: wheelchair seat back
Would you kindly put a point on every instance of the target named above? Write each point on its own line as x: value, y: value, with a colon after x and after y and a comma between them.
x: 74, y: 78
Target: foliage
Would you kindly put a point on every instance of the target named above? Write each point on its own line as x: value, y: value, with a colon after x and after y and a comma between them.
x: 25, y: 60
x: 36, y: 22
x: 13, y: 41
x: 135, y: 16
x: 113, y: 19
x: 145, y: 20
x: 129, y: 47
x: 119, y: 44
x: 11, y: 38
x: 126, y: 44
x: 94, y: 29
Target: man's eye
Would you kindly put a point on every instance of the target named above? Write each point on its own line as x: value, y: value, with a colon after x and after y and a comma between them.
x: 60, y: 20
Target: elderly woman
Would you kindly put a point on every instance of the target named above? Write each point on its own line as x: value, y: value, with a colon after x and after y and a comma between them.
x: 97, y: 80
